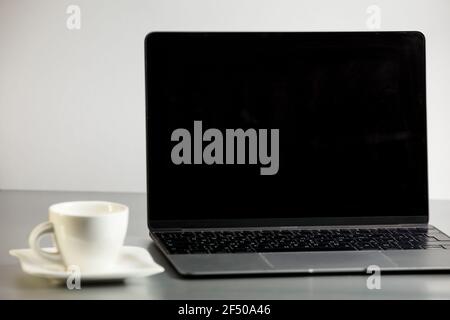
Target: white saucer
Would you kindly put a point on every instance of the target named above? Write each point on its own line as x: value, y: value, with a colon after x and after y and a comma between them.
x: 132, y: 262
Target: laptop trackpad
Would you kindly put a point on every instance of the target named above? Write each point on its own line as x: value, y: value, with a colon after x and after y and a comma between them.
x: 327, y: 261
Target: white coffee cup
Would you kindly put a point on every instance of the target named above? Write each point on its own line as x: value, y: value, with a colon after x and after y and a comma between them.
x: 88, y: 234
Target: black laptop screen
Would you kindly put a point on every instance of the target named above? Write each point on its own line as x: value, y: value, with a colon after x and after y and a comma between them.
x: 348, y: 110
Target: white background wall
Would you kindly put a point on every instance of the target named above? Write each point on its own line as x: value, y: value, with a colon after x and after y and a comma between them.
x: 72, y: 102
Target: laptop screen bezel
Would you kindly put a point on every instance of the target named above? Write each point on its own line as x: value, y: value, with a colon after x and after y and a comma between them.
x: 277, y: 222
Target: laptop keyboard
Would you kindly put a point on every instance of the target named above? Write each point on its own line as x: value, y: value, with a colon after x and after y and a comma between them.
x: 247, y: 241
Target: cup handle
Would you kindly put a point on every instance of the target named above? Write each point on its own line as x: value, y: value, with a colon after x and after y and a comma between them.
x: 34, y: 238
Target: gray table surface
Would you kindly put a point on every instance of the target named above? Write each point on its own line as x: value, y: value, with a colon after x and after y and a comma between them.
x: 20, y: 211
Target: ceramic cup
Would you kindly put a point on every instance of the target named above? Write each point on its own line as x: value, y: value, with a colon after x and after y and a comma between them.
x: 87, y: 234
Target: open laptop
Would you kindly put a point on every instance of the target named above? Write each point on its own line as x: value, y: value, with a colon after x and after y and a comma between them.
x: 289, y: 152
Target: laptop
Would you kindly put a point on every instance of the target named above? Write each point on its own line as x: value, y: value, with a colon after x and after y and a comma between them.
x: 289, y: 152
